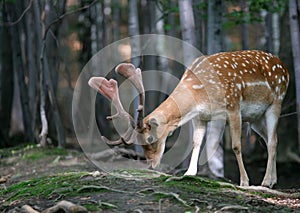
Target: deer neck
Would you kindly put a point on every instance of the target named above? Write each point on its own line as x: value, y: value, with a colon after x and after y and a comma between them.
x: 182, y: 105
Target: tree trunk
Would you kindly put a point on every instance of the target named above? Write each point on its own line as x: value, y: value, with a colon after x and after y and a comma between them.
x: 51, y: 67
x: 188, y: 34
x: 200, y: 24
x: 150, y: 62
x: 56, y: 115
x: 244, y: 28
x: 187, y: 24
x: 6, y: 79
x: 287, y: 137
x: 269, y: 32
x: 31, y: 66
x: 116, y: 19
x: 38, y: 31
x: 276, y: 33
x: 214, y: 32
x: 133, y: 29
x: 18, y: 68
x: 295, y: 39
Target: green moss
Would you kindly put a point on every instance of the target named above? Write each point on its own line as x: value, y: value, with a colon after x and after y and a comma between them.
x: 92, y: 207
x: 32, y: 152
x: 44, y: 187
x: 192, y: 183
x: 39, y: 153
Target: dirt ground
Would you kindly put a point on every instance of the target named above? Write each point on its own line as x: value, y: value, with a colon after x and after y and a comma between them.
x: 41, y: 178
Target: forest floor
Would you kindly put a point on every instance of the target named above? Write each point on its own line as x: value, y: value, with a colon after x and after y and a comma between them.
x: 36, y: 179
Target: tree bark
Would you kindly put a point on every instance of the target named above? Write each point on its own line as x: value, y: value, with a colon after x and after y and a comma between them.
x: 295, y: 39
x: 133, y: 29
x: 18, y: 68
x: 269, y: 32
x: 187, y: 24
x: 6, y: 80
x: 214, y: 31
x: 287, y: 137
x: 50, y: 65
x: 38, y: 30
x: 31, y: 66
x: 244, y: 28
x: 200, y: 24
x: 188, y: 35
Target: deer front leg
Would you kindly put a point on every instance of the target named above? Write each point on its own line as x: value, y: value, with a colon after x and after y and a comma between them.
x: 214, y: 149
x: 235, y: 123
x: 199, y: 131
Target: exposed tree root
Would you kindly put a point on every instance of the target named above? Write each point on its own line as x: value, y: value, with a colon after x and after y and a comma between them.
x: 111, y: 153
x: 64, y: 206
x: 167, y: 194
x: 173, y: 195
x: 250, y: 188
x: 89, y: 187
x: 270, y: 191
x: 293, y: 156
x: 232, y: 208
x: 28, y: 209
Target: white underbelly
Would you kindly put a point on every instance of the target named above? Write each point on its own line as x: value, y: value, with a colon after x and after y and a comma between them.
x: 252, y: 111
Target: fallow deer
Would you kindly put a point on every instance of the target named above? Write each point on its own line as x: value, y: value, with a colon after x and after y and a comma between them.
x: 236, y: 86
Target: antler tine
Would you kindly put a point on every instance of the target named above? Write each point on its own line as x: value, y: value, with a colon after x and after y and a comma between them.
x: 129, y: 71
x: 109, y: 89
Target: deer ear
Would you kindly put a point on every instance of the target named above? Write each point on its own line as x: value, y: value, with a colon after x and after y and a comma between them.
x: 153, y: 122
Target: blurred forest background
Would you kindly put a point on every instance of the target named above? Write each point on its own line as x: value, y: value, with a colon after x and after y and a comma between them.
x: 46, y: 43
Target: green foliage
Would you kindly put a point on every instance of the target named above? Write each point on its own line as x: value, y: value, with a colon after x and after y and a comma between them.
x: 272, y: 6
x: 252, y: 12
x: 8, y: 1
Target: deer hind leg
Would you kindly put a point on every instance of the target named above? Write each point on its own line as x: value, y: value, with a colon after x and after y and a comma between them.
x: 235, y: 123
x: 199, y: 131
x: 272, y: 114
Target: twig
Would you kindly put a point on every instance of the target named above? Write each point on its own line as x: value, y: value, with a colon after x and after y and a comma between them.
x: 67, y: 14
x: 288, y: 114
x: 159, y: 206
x: 233, y: 207
x: 10, y: 24
x: 101, y: 203
x: 138, y: 211
x: 293, y: 156
x: 171, y: 194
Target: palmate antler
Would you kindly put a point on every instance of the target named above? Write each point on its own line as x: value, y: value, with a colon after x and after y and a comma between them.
x: 109, y: 89
x: 135, y: 76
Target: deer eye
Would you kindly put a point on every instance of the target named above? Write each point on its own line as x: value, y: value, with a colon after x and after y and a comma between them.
x: 150, y: 139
